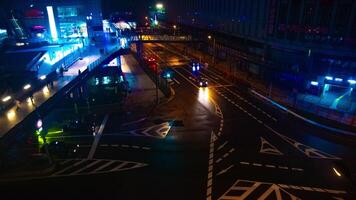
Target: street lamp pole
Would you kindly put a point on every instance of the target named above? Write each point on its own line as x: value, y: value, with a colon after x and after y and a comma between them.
x: 174, y: 28
x: 214, y: 46
x: 157, y: 82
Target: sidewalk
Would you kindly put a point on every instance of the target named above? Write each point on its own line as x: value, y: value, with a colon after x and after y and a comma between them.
x: 14, y: 115
x: 323, y: 115
x: 142, y: 97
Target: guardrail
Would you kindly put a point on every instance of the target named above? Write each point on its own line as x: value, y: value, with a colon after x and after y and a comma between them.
x: 169, y: 38
x: 10, y: 137
x: 301, y: 117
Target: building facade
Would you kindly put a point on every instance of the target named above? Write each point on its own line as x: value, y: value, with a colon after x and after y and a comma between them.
x: 300, y: 40
x: 55, y: 20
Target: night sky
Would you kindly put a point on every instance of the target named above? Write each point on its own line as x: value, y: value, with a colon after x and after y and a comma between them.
x: 138, y: 7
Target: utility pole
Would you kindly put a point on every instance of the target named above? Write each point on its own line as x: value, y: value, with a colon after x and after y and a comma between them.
x: 157, y: 82
x: 214, y: 45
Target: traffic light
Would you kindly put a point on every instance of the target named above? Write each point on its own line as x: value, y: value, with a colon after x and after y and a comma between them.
x: 167, y: 73
x: 39, y: 128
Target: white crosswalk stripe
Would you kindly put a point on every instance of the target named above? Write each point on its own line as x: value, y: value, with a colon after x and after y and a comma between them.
x: 73, y: 167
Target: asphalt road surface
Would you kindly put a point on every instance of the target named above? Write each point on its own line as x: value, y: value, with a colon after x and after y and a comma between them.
x: 207, y: 143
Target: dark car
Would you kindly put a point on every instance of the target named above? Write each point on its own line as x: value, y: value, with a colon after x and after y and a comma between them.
x: 202, y: 82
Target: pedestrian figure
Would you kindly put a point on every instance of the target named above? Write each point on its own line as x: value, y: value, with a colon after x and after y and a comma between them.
x: 18, y: 105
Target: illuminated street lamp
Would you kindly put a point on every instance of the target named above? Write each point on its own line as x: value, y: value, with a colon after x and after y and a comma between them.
x: 7, y: 98
x: 43, y: 77
x: 174, y: 28
x: 214, y: 44
x: 27, y: 86
x: 159, y: 6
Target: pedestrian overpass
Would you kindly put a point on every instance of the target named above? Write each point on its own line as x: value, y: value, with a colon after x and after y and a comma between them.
x: 144, y: 38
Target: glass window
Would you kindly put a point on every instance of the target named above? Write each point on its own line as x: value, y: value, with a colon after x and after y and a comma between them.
x: 68, y: 11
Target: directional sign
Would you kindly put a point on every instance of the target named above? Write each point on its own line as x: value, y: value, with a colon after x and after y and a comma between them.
x: 268, y: 148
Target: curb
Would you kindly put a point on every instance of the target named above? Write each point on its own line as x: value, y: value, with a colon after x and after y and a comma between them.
x: 314, y: 123
x: 27, y: 175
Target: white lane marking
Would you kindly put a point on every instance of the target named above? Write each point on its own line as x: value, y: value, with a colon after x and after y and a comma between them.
x: 244, y: 163
x: 103, y: 166
x: 175, y: 80
x: 257, y: 164
x: 185, y: 78
x: 210, y: 166
x: 282, y: 167
x: 254, y: 106
x: 268, y: 148
x: 119, y: 166
x: 270, y: 166
x: 306, y: 150
x: 66, y: 161
x: 225, y: 170
x: 86, y: 167
x: 97, y: 137
x: 248, y: 188
x: 70, y: 166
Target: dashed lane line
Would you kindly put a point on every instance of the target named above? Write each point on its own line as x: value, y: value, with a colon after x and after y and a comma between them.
x: 126, y: 146
x: 241, y: 98
x: 272, y: 166
x: 210, y: 167
x: 225, y: 170
x: 315, y: 189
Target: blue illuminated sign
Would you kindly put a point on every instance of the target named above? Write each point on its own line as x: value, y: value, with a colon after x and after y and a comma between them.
x: 52, y: 23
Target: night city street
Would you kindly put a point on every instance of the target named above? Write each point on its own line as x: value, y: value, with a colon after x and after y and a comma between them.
x: 178, y: 99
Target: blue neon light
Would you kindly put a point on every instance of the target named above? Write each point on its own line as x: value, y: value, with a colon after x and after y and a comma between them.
x: 329, y: 78
x: 352, y: 82
x: 338, y: 79
x: 52, y: 23
x: 315, y: 83
x: 194, y: 69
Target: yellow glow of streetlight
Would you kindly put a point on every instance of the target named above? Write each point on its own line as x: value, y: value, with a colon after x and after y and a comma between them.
x: 11, y: 115
x: 159, y: 6
x: 209, y: 37
x: 174, y: 26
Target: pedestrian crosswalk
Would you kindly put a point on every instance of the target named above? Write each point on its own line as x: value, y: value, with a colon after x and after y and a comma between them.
x: 71, y: 167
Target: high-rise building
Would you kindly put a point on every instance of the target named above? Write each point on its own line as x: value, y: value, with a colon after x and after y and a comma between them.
x: 298, y: 39
x: 52, y: 19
